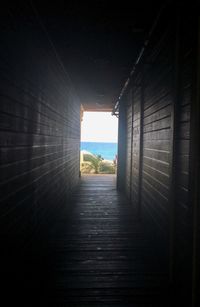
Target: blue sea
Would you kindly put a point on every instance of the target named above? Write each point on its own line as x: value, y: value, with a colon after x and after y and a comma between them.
x: 106, y: 150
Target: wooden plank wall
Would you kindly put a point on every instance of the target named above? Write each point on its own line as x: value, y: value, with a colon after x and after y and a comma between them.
x: 195, y: 174
x: 136, y: 129
x: 157, y: 130
x: 168, y: 74
x: 128, y: 143
x: 39, y: 130
x: 184, y: 182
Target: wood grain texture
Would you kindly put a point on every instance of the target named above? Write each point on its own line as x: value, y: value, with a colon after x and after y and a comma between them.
x: 184, y: 182
x: 97, y: 254
x: 39, y: 131
x: 129, y: 132
x: 168, y: 85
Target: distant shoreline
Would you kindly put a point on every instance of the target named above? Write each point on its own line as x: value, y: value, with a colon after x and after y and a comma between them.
x: 108, y: 150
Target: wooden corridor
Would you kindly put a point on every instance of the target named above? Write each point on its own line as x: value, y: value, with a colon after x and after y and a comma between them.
x: 99, y: 255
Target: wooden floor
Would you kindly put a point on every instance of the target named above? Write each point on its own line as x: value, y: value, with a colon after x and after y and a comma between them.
x: 99, y: 254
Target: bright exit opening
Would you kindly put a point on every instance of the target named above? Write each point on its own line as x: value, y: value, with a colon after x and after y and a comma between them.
x: 99, y: 134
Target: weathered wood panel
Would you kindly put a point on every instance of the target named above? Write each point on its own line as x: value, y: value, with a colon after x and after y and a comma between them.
x: 183, y: 206
x: 102, y: 254
x: 129, y: 115
x: 157, y: 131
x: 165, y: 173
x: 136, y: 135
x: 39, y: 130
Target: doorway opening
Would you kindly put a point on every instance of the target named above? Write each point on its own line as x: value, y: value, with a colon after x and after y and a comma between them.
x: 99, y: 147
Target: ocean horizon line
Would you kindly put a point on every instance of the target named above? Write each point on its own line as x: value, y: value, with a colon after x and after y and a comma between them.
x: 108, y: 150
x: 99, y: 142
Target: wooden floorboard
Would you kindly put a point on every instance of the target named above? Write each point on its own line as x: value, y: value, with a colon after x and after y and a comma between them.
x: 101, y: 253
x: 97, y: 254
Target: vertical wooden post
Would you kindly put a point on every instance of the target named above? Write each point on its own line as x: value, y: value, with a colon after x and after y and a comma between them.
x: 81, y: 119
x: 121, y: 168
x: 173, y: 162
x: 131, y: 168
x: 141, y: 145
x: 195, y: 155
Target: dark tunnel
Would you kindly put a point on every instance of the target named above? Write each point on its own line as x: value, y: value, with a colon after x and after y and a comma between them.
x: 73, y: 240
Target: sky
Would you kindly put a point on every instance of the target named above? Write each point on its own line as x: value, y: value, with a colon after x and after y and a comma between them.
x: 99, y: 127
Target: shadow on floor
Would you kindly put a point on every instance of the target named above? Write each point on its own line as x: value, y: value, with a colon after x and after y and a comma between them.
x: 96, y: 254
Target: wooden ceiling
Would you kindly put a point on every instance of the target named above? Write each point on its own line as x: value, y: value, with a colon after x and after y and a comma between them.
x: 98, y: 42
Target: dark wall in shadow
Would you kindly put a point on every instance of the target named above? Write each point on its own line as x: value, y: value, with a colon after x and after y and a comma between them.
x: 39, y: 138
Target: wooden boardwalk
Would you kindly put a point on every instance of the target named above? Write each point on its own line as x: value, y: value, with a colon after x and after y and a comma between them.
x: 98, y: 254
